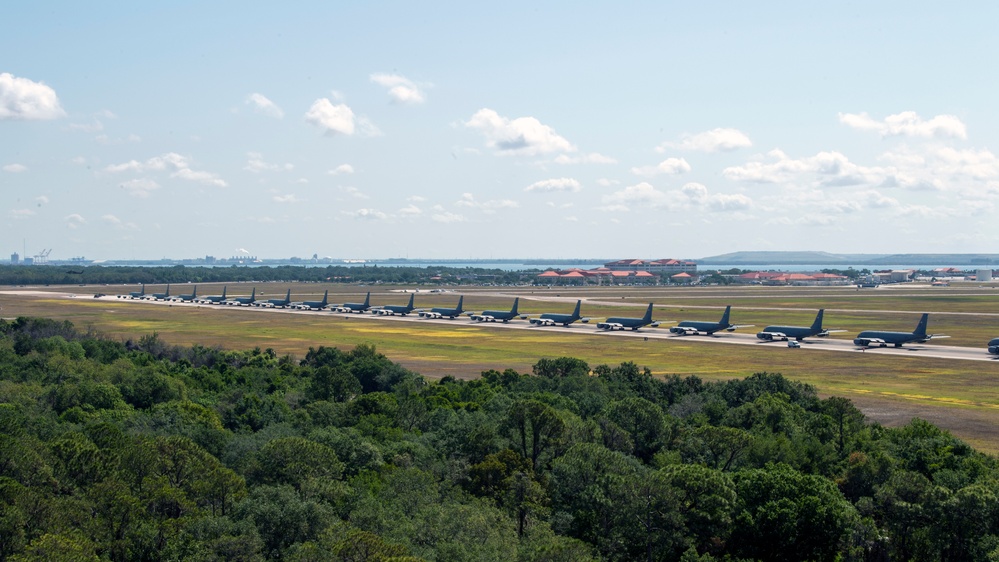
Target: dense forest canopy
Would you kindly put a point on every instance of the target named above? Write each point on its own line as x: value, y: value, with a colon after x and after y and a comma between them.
x: 140, y: 450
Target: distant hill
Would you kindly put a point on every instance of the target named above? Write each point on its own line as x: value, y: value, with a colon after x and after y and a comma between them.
x: 826, y: 258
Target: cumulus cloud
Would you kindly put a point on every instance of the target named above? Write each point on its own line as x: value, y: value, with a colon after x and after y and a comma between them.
x: 524, y: 136
x: 447, y: 217
x: 118, y: 223
x: 353, y: 192
x: 555, y: 184
x: 416, y: 198
x: 74, y: 220
x: 410, y: 211
x: 698, y: 195
x: 909, y: 124
x: 140, y: 187
x: 692, y: 196
x: 591, y: 158
x: 42, y: 200
x: 367, y: 214
x: 256, y: 164
x: 642, y: 194
x: 15, y: 168
x: 24, y: 99
x: 178, y: 165
x: 287, y: 198
x: 828, y: 169
x: 261, y: 104
x: 20, y: 213
x: 671, y: 166
x: 711, y: 141
x: 332, y: 118
x: 341, y: 170
x: 400, y: 88
x: 468, y: 200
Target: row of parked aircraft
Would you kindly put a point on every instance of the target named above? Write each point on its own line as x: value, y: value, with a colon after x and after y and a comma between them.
x: 791, y: 334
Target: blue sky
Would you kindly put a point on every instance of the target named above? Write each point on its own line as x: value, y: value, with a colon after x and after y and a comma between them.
x: 559, y: 130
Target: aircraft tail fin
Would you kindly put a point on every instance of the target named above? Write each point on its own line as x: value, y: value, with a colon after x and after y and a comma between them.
x: 461, y: 299
x: 367, y: 299
x: 724, y: 319
x: 513, y: 310
x: 325, y: 295
x: 920, y: 330
x: 287, y: 297
x: 224, y: 287
x: 817, y: 325
x: 194, y: 293
x: 253, y: 294
x: 648, y: 314
x: 168, y: 290
x: 412, y: 300
x: 575, y: 313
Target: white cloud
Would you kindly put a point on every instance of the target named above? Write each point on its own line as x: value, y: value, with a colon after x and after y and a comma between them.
x: 711, y: 141
x: 288, y: 198
x: 672, y: 166
x: 642, y: 194
x: 256, y: 164
x: 401, y: 89
x: 468, y: 200
x: 263, y: 105
x: 42, y: 199
x: 521, y: 136
x: 410, y: 211
x: 907, y: 123
x: 829, y: 169
x: 24, y: 99
x: 367, y: 214
x: 698, y: 195
x: 448, y: 217
x: 140, y: 187
x: 15, y: 168
x: 118, y: 223
x: 93, y: 127
x: 692, y: 196
x: 605, y: 182
x: 74, y: 220
x: 341, y: 169
x: 333, y: 118
x: 20, y: 213
x: 353, y: 192
x: 591, y: 158
x: 169, y: 161
x: 416, y: 198
x: 558, y: 184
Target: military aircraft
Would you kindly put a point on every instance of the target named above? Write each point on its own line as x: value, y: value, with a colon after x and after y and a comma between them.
x: 441, y: 312
x: 393, y: 309
x: 798, y: 333
x: 358, y: 307
x: 243, y: 301
x: 187, y: 298
x: 135, y: 294
x: 994, y: 346
x: 692, y: 328
x: 313, y: 305
x: 634, y: 323
x: 215, y: 299
x: 551, y: 318
x: 276, y: 303
x: 875, y: 338
x: 162, y: 296
x: 501, y: 315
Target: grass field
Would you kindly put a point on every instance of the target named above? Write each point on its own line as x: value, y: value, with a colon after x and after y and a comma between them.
x: 961, y: 396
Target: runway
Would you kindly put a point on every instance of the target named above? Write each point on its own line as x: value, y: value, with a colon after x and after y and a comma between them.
x: 909, y: 351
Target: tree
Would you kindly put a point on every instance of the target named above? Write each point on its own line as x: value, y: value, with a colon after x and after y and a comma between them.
x: 535, y: 428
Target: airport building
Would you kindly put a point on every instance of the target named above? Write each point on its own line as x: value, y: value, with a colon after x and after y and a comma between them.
x: 669, y: 267
x: 15, y: 258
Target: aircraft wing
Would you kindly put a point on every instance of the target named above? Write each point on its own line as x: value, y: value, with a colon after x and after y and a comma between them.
x: 737, y: 326
x: 935, y: 336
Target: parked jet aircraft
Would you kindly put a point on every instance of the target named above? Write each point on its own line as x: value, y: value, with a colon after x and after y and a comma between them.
x: 393, y: 309
x: 135, y: 294
x: 358, y: 307
x: 162, y: 296
x: 692, y: 328
x: 276, y: 303
x: 501, y: 315
x: 243, y: 301
x: 994, y: 346
x: 187, y: 298
x: 441, y: 312
x: 633, y: 323
x: 875, y: 338
x: 798, y: 333
x: 313, y: 305
x: 215, y: 299
x: 551, y: 318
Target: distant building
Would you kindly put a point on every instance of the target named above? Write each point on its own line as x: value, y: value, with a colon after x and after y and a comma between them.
x: 664, y: 266
x: 15, y: 258
x: 983, y: 275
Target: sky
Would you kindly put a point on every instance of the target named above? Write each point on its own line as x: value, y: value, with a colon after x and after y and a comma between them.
x: 147, y: 130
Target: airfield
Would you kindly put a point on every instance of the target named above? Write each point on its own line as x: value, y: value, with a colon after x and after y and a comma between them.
x: 951, y: 382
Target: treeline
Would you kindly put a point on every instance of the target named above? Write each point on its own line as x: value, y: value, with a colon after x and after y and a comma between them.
x: 99, y: 275
x: 140, y: 450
